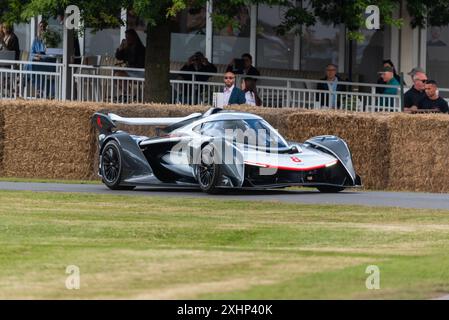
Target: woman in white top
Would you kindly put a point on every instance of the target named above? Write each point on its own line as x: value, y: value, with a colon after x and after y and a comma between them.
x: 249, y: 87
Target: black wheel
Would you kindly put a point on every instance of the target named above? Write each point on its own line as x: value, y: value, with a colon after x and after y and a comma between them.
x: 329, y: 189
x: 208, y: 170
x: 111, y: 166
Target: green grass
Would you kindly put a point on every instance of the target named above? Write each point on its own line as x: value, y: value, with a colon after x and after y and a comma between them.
x: 168, y: 248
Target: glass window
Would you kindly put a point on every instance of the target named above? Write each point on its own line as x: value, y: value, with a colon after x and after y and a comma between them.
x: 438, y: 55
x: 319, y: 47
x: 368, y: 56
x: 251, y: 132
x: 191, y: 35
x: 103, y: 42
x: 273, y: 50
x: 23, y: 32
x: 136, y: 23
x: 233, y: 41
x: 55, y: 25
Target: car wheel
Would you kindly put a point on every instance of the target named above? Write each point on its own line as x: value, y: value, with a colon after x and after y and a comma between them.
x: 208, y: 170
x: 329, y: 189
x: 111, y: 166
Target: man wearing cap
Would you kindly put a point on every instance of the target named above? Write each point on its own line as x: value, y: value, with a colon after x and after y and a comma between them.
x: 387, y: 75
x: 432, y: 100
x: 416, y: 93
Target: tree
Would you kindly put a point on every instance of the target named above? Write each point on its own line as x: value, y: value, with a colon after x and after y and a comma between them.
x: 160, y: 17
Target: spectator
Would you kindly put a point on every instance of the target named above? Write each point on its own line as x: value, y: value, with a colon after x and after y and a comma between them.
x: 251, y: 96
x: 131, y: 50
x: 332, y: 85
x: 38, y: 47
x: 387, y: 63
x: 417, y: 92
x: 387, y: 75
x: 198, y: 63
x: 232, y: 94
x: 243, y: 66
x: 10, y: 41
x: 432, y: 100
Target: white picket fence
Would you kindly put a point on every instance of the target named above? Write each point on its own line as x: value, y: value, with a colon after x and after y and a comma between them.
x: 34, y: 80
x: 30, y: 80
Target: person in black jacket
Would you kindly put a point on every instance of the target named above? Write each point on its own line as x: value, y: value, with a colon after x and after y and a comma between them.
x: 131, y: 50
x: 198, y: 63
x: 10, y: 41
x: 332, y: 85
x: 243, y: 66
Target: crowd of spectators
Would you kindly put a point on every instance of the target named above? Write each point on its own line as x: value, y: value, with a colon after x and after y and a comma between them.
x: 422, y: 97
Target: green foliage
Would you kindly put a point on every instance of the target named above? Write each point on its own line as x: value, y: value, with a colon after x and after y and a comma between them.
x: 52, y: 38
x: 101, y: 14
x: 10, y: 10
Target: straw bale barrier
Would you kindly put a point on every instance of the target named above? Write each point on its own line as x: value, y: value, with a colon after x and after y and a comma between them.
x: 56, y: 140
x: 366, y: 135
x: 2, y: 137
x: 419, y: 153
x: 47, y: 140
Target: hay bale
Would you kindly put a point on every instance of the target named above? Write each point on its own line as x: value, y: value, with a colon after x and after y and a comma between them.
x: 2, y: 138
x: 366, y: 135
x: 55, y: 140
x: 419, y: 153
x: 48, y: 140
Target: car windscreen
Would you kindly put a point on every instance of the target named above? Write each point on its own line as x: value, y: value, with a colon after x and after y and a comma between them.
x: 253, y: 132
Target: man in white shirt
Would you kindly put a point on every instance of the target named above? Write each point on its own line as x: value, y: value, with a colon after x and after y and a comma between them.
x: 232, y: 94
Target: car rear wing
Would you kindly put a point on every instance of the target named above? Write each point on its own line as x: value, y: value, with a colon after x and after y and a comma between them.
x: 161, y: 122
x: 106, y: 123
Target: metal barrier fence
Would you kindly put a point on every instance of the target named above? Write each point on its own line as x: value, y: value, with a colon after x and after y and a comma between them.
x: 288, y: 92
x: 107, y: 84
x: 34, y: 80
x: 30, y: 80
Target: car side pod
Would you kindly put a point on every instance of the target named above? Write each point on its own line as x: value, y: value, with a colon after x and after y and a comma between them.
x: 339, y: 149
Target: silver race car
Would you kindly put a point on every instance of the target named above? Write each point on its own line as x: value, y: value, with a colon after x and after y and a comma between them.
x: 219, y: 150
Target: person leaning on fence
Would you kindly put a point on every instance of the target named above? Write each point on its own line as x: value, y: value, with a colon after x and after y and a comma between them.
x: 251, y: 96
x: 332, y: 85
x: 10, y: 42
x: 232, y: 94
x: 413, y: 96
x: 198, y: 63
x: 245, y: 67
x: 387, y: 75
x: 432, y: 101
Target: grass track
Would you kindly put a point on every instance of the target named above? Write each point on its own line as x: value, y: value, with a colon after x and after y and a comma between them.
x: 167, y: 248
